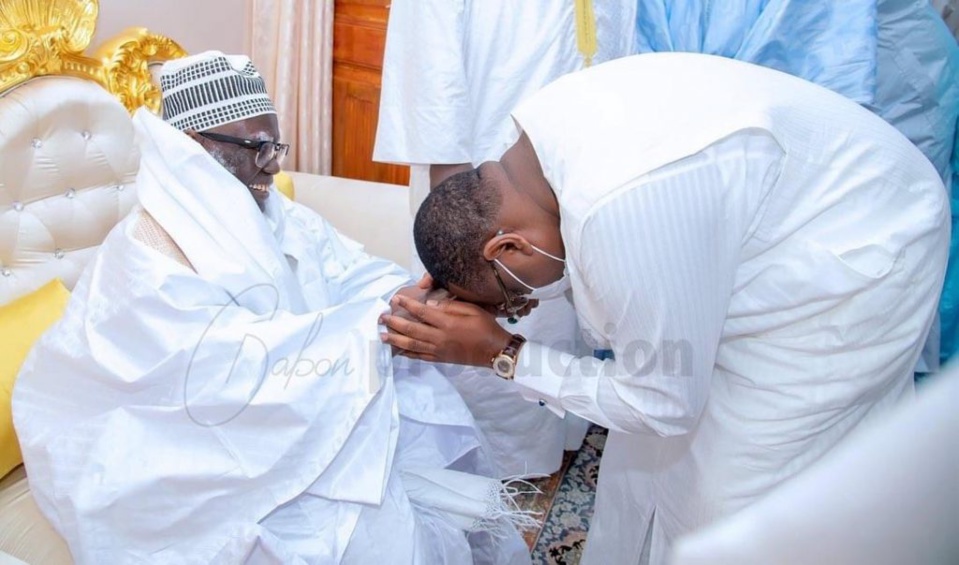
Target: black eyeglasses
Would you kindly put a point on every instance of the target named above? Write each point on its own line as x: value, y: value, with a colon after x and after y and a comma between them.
x: 508, y: 305
x: 266, y: 151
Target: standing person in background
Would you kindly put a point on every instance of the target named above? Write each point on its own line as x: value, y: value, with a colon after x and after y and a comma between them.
x: 895, y: 57
x: 917, y: 91
x: 452, y: 73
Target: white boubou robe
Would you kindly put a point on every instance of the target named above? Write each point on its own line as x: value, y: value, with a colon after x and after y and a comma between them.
x: 763, y: 257
x: 245, y: 410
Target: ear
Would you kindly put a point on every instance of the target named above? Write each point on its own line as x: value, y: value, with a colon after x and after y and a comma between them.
x: 506, y: 243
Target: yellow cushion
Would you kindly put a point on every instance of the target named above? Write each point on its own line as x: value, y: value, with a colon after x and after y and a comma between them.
x: 284, y: 183
x: 22, y: 322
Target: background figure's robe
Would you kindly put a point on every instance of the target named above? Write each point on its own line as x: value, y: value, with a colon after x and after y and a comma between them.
x: 239, y: 406
x: 896, y: 57
x: 452, y: 73
x: 917, y: 91
x: 832, y: 44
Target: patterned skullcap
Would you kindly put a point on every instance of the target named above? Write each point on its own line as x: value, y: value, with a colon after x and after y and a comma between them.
x: 211, y: 89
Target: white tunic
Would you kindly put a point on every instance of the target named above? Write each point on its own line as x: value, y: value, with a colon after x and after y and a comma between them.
x: 764, y: 258
x: 452, y: 72
x: 236, y: 405
x: 454, y: 69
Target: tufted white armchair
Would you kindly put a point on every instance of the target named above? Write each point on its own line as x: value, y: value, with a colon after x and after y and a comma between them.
x: 68, y: 162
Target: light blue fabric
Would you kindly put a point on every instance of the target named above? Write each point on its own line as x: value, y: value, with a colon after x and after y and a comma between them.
x: 917, y: 90
x: 949, y: 304
x: 896, y: 57
x: 829, y: 42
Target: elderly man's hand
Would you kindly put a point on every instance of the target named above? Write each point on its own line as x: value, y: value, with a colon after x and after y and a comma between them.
x: 445, y: 332
x: 419, y: 293
x: 422, y: 291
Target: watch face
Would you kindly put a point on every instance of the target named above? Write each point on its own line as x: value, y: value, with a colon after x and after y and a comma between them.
x: 503, y: 366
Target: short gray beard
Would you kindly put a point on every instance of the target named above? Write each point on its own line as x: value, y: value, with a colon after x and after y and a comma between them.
x: 225, y: 160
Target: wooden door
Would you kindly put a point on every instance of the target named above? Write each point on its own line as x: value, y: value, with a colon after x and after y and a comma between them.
x: 359, y: 37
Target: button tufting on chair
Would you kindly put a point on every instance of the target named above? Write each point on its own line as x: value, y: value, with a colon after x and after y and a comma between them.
x: 68, y: 195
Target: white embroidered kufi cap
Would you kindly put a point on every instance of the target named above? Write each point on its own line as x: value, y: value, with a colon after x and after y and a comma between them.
x: 211, y: 89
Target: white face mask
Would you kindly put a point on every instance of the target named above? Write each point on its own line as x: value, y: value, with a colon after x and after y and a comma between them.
x: 553, y: 289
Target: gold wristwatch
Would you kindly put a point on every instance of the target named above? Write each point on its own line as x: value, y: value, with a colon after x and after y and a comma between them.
x: 504, y: 364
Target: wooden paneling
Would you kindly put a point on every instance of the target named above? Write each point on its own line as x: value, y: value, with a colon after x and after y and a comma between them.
x: 359, y: 37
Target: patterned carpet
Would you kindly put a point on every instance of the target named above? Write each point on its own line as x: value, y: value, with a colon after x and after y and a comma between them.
x: 567, y: 502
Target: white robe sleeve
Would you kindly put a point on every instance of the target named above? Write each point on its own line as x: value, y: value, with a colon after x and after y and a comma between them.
x: 348, y: 271
x: 366, y: 276
x: 659, y: 259
x: 425, y: 110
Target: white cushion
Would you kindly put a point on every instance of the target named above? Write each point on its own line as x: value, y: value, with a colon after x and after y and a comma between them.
x: 886, y: 495
x: 374, y: 214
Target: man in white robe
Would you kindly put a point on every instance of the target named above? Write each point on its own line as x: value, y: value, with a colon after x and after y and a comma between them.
x: 452, y: 72
x: 763, y: 256
x: 217, y: 392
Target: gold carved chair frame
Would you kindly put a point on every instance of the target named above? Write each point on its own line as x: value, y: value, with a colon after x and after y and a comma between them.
x: 49, y: 37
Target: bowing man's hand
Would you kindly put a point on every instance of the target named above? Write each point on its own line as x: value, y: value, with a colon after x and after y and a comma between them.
x: 445, y: 332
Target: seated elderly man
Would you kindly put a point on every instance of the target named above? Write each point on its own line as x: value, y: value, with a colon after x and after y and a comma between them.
x: 217, y: 392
